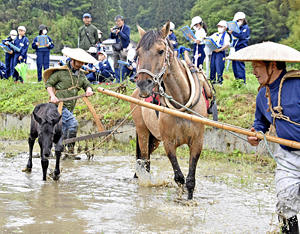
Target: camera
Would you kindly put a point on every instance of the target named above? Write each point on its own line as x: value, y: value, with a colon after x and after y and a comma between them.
x: 115, y: 28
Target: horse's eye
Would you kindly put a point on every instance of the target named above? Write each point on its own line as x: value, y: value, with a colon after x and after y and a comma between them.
x: 161, y: 51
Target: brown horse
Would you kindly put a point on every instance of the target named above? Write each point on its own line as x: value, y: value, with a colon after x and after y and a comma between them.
x: 160, y: 70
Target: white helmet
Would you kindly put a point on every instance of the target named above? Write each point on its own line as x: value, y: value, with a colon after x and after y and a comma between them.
x: 196, y: 20
x: 222, y: 23
x: 13, y: 33
x: 172, y: 26
x: 239, y: 15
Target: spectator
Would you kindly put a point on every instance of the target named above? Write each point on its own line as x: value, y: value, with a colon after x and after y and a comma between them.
x: 9, y: 56
x: 42, y: 44
x: 99, y: 42
x: 22, y: 43
x: 217, y: 63
x: 102, y: 71
x: 172, y: 37
x: 121, y: 32
x: 88, y: 33
x: 241, y: 42
x: 129, y: 70
x: 201, y: 30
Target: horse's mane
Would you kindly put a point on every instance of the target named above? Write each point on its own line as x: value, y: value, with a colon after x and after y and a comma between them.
x: 151, y: 37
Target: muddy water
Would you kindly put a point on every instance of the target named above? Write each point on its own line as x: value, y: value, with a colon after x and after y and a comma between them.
x: 101, y: 196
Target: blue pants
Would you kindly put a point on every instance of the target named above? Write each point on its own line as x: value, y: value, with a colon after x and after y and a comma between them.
x: 217, y: 65
x: 199, y: 51
x: 42, y: 60
x: 239, y: 69
x: 16, y: 60
x: 69, y: 123
x: 9, y: 69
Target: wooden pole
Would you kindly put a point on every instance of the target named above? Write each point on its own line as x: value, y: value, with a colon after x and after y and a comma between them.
x: 292, y: 144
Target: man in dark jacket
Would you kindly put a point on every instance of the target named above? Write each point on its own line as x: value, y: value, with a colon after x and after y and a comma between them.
x: 88, y: 33
x: 121, y: 32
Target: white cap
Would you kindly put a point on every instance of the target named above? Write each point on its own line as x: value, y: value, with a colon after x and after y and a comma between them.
x: 172, y: 26
x: 196, y: 20
x: 22, y: 28
x: 239, y: 15
x: 13, y: 33
x: 222, y: 23
x: 92, y: 50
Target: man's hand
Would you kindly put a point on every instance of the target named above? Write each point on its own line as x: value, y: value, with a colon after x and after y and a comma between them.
x: 20, y: 58
x: 217, y: 50
x: 230, y: 32
x: 89, y: 92
x: 254, y: 141
x: 6, y: 43
x: 54, y: 99
x: 37, y: 43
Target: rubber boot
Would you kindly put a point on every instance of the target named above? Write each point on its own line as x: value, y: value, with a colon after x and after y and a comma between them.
x: 290, y: 226
x: 71, y: 145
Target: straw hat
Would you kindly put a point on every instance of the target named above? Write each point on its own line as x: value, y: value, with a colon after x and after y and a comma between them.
x: 78, y: 54
x: 267, y: 51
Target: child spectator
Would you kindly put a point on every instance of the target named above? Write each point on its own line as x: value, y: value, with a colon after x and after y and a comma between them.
x: 102, y: 71
x: 217, y: 62
x: 9, y: 56
x: 172, y: 37
x: 22, y: 43
x: 201, y: 30
x: 42, y: 44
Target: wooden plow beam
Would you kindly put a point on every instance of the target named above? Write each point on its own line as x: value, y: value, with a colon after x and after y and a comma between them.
x: 205, y: 121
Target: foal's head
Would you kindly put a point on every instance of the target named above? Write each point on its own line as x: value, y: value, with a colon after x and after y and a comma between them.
x: 47, y: 117
x: 153, y: 51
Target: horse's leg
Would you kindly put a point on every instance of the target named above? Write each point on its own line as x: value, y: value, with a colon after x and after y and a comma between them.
x: 31, y: 141
x: 58, y: 150
x: 45, y: 164
x: 171, y: 152
x: 195, y: 151
x: 143, y: 156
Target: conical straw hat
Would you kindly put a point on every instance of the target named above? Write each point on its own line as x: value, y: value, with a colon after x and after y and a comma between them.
x: 266, y: 51
x: 79, y: 55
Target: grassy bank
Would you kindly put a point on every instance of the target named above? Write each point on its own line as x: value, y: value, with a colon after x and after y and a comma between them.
x: 236, y: 102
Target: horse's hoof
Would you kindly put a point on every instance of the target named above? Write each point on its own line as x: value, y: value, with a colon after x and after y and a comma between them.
x: 135, y: 176
x: 28, y: 170
x: 55, y: 177
x: 190, y: 196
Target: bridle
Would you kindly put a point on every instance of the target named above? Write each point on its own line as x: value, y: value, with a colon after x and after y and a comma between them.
x: 158, y: 78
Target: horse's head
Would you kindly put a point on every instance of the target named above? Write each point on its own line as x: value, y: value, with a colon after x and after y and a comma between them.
x: 153, y: 53
x: 47, y: 118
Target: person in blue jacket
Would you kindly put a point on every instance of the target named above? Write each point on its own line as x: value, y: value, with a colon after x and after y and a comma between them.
x: 241, y: 41
x: 172, y: 37
x: 277, y: 104
x: 121, y: 32
x: 102, y: 71
x: 22, y: 43
x: 217, y: 61
x: 42, y: 50
x: 9, y: 56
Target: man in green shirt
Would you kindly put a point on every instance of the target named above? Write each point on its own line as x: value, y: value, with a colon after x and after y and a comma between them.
x: 88, y: 33
x: 65, y: 82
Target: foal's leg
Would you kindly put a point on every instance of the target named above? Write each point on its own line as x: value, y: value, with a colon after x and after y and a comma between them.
x: 171, y: 152
x: 29, y: 162
x: 195, y: 151
x: 58, y: 150
x: 45, y: 164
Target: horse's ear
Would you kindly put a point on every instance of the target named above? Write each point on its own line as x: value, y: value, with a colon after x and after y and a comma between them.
x: 141, y: 31
x: 37, y: 118
x: 165, y: 30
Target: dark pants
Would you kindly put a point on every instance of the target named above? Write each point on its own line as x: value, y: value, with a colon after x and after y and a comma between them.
x: 42, y: 60
x: 117, y: 55
x: 93, y: 76
x: 199, y: 49
x: 9, y: 69
x: 217, y: 65
x: 16, y: 60
x: 239, y: 69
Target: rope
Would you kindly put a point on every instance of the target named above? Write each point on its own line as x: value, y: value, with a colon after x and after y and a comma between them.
x: 196, y: 113
x: 272, y: 155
